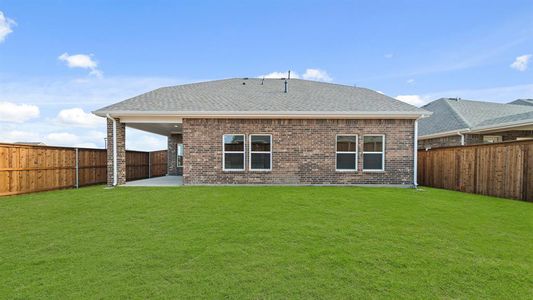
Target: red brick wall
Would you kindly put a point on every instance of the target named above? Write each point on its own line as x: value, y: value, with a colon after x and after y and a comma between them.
x: 172, y: 168
x: 303, y: 151
x: 471, y: 139
x: 121, y: 152
x: 452, y: 140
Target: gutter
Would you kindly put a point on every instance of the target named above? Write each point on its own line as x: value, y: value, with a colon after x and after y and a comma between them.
x: 273, y: 114
x: 115, y: 167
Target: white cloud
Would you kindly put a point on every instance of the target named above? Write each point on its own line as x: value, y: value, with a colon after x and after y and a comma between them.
x: 18, y: 113
x: 277, y: 75
x: 13, y: 136
x: 61, y: 139
x: 410, y: 81
x: 140, y: 140
x: 388, y: 55
x: 77, y: 117
x: 6, y: 25
x: 310, y: 74
x: 316, y: 74
x: 83, y: 61
x: 86, y: 145
x: 521, y: 62
x: 415, y: 100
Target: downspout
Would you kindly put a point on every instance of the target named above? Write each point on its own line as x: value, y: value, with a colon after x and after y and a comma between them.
x: 415, y: 154
x: 462, y: 138
x: 115, y: 179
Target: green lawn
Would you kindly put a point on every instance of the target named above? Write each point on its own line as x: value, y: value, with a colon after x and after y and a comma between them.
x: 264, y: 242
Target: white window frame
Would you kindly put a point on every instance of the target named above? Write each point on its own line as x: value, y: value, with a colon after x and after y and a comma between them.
x: 234, y: 152
x: 250, y: 152
x: 374, y: 152
x: 178, y: 154
x: 348, y: 152
x: 498, y: 137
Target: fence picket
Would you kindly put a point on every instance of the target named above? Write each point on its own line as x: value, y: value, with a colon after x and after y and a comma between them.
x: 500, y: 169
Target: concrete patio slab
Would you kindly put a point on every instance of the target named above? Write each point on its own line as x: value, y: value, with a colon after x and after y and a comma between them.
x: 157, y: 181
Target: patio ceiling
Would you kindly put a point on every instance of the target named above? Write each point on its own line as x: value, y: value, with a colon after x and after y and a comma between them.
x: 158, y: 128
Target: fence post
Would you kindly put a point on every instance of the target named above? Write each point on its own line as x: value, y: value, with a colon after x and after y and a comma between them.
x: 149, y: 164
x: 77, y: 169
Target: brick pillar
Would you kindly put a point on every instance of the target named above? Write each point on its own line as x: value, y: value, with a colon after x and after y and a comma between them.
x: 173, y: 141
x: 121, y: 152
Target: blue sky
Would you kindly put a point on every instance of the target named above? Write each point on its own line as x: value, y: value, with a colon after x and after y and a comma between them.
x: 59, y: 60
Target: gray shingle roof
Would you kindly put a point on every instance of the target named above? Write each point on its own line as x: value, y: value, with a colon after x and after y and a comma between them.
x: 522, y: 102
x: 452, y: 114
x: 250, y: 95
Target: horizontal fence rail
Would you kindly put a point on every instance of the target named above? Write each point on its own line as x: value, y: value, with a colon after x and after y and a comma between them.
x: 501, y: 169
x: 28, y: 168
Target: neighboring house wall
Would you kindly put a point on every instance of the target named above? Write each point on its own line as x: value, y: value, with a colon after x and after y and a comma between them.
x: 453, y: 140
x: 472, y: 139
x: 173, y: 141
x: 121, y: 152
x: 303, y: 151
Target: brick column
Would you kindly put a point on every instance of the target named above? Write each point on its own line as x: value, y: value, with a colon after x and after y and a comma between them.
x: 121, y: 152
x: 173, y: 141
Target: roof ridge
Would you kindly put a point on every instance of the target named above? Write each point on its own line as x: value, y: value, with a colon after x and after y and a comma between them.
x: 457, y: 113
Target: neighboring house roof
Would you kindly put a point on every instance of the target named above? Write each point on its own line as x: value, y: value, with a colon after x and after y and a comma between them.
x: 460, y: 115
x: 522, y: 102
x: 253, y: 96
x: 30, y: 143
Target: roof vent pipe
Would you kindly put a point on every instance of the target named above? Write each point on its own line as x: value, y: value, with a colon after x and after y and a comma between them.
x: 289, y: 75
x: 286, y: 86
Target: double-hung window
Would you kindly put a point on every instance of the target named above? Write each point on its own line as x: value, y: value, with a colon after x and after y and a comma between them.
x: 233, y: 152
x: 373, y: 153
x: 260, y: 152
x: 179, y: 160
x: 346, y: 153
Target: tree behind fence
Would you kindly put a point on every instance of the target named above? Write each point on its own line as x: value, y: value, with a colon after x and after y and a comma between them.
x: 502, y: 170
x: 25, y: 168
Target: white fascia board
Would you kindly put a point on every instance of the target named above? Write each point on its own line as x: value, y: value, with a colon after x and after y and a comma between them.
x: 502, y: 126
x: 270, y: 115
x: 444, y: 134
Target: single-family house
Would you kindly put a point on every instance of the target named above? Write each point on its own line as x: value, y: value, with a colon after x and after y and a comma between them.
x: 456, y: 122
x: 528, y: 102
x: 272, y: 131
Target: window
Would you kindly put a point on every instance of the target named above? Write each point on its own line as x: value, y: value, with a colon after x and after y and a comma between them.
x: 260, y: 152
x: 346, y: 153
x: 374, y: 153
x: 180, y: 155
x: 233, y: 152
x: 492, y: 139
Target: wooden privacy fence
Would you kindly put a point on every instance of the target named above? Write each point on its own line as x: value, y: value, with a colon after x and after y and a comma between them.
x: 26, y: 168
x: 502, y: 169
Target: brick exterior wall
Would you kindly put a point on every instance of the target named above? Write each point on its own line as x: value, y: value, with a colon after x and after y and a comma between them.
x: 303, y: 151
x: 173, y: 141
x: 454, y: 140
x: 121, y: 152
x: 471, y: 139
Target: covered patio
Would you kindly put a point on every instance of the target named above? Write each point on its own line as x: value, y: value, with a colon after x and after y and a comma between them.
x: 168, y: 126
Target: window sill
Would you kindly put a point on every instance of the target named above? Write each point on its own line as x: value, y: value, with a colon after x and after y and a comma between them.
x: 373, y: 171
x: 347, y: 171
x: 260, y: 171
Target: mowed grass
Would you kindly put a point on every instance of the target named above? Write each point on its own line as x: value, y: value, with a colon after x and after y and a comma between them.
x: 264, y: 242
